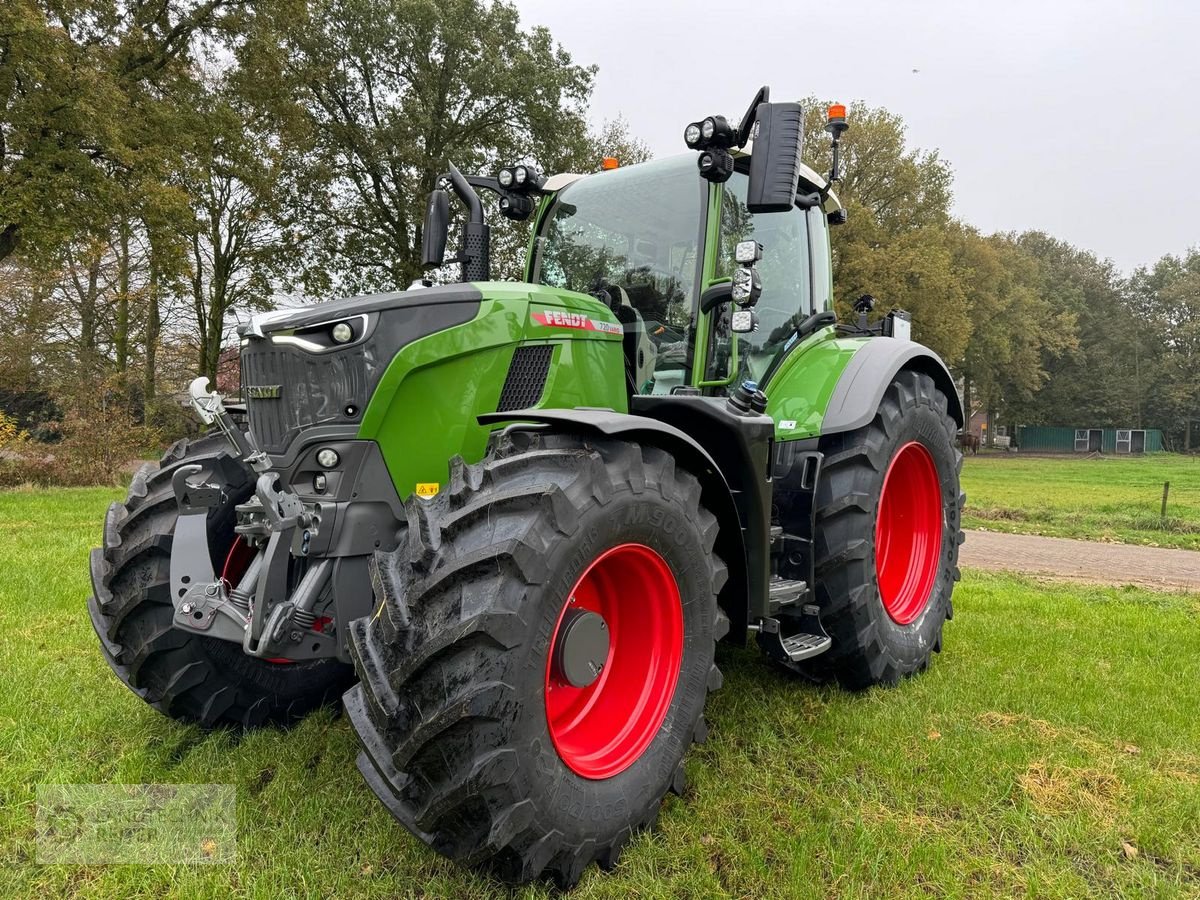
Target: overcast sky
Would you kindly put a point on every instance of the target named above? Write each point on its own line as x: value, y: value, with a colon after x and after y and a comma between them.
x: 1078, y: 118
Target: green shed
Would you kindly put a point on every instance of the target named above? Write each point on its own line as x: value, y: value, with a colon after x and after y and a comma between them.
x: 1052, y: 439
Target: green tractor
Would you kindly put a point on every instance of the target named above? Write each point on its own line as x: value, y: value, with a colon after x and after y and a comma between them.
x: 511, y: 521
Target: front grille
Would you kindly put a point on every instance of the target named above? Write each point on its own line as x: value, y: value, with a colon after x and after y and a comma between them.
x: 526, y: 377
x: 313, y: 389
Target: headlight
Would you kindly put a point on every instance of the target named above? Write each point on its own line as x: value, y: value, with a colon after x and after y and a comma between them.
x: 520, y: 174
x: 742, y: 286
x: 342, y: 333
x: 743, y: 321
x: 506, y: 178
x: 691, y: 135
x: 328, y: 458
x: 708, y: 128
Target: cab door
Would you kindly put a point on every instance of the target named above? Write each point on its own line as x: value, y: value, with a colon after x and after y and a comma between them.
x: 787, y: 269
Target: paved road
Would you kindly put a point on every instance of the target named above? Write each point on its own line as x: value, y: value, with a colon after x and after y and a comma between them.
x: 1082, y: 560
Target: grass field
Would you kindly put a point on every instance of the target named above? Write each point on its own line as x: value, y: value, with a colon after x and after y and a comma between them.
x: 1098, y: 499
x: 1053, y: 749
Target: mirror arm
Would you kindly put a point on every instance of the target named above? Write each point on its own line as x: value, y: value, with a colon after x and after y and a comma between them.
x: 815, y: 198
x: 487, y: 184
x: 715, y: 296
x: 744, y: 129
x: 466, y: 193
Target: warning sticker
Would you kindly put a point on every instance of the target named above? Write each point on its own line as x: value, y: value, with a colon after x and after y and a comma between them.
x: 560, y: 318
x: 427, y: 489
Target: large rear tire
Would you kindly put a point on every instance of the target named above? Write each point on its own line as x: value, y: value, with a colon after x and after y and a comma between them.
x: 187, y: 676
x: 475, y: 736
x: 888, y: 530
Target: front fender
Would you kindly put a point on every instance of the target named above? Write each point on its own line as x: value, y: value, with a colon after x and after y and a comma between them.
x: 716, y: 494
x: 860, y: 388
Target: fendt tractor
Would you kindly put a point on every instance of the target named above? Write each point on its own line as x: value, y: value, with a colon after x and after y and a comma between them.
x: 512, y: 520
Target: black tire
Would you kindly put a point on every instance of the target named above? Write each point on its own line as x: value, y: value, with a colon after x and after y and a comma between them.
x: 869, y: 646
x: 185, y: 676
x: 450, y: 709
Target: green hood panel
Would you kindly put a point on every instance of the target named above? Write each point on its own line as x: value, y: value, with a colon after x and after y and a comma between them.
x: 424, y: 408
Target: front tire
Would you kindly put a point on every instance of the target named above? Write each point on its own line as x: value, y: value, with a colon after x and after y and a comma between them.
x: 472, y: 735
x: 888, y: 531
x: 187, y: 676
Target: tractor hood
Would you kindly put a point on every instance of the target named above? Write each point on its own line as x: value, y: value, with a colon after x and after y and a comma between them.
x: 320, y: 364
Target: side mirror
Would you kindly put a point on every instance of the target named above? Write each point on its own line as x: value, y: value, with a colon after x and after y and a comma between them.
x: 436, y: 229
x: 775, y: 162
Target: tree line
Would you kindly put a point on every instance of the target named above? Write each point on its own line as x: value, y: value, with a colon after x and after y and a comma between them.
x: 1037, y: 331
x: 169, y: 166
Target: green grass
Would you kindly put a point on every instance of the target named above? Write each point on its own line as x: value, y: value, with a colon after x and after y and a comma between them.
x: 1058, y: 728
x: 1097, y: 499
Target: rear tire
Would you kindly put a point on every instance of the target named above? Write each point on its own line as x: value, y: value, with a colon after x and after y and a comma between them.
x: 887, y: 628
x: 454, y: 666
x: 187, y: 676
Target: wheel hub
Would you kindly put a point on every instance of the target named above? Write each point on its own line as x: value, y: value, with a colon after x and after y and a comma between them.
x: 581, y: 648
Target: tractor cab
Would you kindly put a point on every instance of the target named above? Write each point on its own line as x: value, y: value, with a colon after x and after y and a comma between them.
x: 654, y: 237
x: 658, y: 244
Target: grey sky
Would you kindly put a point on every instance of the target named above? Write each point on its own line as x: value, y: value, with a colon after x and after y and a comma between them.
x: 1078, y: 118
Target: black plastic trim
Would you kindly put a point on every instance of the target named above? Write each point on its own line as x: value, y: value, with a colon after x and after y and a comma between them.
x: 856, y: 397
x: 367, y: 303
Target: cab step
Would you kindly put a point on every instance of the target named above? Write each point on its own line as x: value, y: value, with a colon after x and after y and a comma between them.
x: 784, y: 592
x: 792, y: 638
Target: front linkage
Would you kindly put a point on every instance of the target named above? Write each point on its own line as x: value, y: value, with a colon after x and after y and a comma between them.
x: 269, y: 611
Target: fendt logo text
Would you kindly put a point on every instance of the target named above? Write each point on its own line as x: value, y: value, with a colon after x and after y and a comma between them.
x: 557, y: 318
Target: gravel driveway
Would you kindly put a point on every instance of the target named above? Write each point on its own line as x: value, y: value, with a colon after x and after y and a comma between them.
x: 1091, y: 561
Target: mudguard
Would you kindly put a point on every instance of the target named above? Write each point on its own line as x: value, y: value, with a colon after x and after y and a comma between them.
x: 745, y: 581
x: 860, y: 388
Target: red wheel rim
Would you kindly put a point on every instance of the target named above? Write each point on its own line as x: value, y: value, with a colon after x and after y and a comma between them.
x: 908, y: 533
x: 601, y: 729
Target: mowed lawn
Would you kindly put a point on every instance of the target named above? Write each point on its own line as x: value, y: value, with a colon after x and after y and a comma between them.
x: 1106, y: 498
x: 1053, y: 749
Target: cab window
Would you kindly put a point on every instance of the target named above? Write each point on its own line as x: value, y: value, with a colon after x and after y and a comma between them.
x: 818, y: 230
x: 633, y: 233
x: 785, y: 269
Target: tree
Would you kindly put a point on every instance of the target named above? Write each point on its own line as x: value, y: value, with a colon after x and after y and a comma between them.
x: 1090, y: 374
x: 87, y: 104
x: 387, y: 93
x: 894, y: 244
x: 1017, y: 333
x: 1166, y: 300
x: 237, y: 237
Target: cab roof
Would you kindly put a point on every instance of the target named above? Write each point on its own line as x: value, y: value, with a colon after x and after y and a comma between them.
x: 809, y: 180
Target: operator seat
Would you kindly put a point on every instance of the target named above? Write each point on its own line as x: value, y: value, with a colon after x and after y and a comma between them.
x: 640, y: 352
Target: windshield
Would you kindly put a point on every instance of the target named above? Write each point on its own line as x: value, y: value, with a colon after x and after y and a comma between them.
x: 633, y: 232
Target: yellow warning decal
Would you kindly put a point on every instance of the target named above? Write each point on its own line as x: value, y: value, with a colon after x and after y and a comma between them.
x: 427, y: 489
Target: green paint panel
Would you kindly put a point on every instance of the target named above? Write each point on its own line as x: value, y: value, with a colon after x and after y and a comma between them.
x: 423, y: 413
x: 799, y: 390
